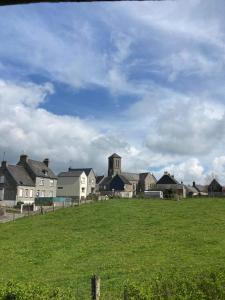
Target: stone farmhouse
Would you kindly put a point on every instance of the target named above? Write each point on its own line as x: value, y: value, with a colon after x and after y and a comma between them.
x: 123, y: 183
x: 171, y: 187
x: 26, y: 180
x: 73, y: 184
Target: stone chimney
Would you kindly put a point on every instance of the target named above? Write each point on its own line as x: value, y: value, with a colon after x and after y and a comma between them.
x: 46, y: 162
x: 4, y: 164
x: 23, y: 159
x: 193, y: 183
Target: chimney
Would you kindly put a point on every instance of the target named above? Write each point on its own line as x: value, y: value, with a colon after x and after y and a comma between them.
x: 193, y: 183
x: 165, y: 173
x: 23, y: 159
x: 46, y: 162
x: 4, y: 164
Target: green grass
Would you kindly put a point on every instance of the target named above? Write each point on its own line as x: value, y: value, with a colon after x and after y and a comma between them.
x: 116, y: 239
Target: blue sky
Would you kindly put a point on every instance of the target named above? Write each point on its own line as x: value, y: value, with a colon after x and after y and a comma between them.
x: 143, y: 79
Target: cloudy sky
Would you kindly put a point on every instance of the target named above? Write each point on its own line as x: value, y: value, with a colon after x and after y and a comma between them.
x: 79, y: 82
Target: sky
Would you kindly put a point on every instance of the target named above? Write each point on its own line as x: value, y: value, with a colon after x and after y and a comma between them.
x: 80, y: 81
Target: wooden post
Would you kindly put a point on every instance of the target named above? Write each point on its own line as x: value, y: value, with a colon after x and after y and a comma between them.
x: 95, y: 288
x: 125, y: 293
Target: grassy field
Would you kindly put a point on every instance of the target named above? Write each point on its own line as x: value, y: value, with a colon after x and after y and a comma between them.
x: 116, y: 239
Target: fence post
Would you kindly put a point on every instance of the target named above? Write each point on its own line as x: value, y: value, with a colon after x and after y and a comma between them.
x: 95, y: 288
x: 125, y: 293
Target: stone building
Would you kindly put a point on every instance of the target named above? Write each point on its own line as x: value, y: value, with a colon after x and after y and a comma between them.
x: 125, y: 182
x: 26, y: 180
x: 170, y: 187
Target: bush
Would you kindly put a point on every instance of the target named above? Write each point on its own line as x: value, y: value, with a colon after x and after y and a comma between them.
x: 18, y: 291
x: 207, y: 286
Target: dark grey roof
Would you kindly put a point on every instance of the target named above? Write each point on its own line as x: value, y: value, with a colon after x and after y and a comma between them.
x: 70, y: 174
x: 40, y: 169
x: 99, y: 179
x: 105, y: 180
x: 167, y: 179
x: 20, y: 175
x: 124, y: 179
x: 86, y: 170
x: 115, y: 155
x: 130, y: 176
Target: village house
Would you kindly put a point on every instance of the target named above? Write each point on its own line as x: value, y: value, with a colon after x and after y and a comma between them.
x: 91, y: 179
x: 26, y: 180
x: 170, y: 187
x: 72, y: 184
x: 123, y: 184
x: 215, y: 188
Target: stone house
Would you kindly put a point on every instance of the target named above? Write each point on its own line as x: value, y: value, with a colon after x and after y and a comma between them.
x: 170, y: 186
x: 72, y: 184
x: 91, y: 179
x: 26, y: 180
x: 215, y: 188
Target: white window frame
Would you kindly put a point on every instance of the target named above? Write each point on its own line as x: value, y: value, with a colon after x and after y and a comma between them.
x: 51, y: 182
x: 31, y: 193
x: 20, y: 192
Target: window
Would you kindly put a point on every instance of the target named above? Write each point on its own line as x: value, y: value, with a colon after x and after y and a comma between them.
x: 83, y: 189
x: 26, y: 193
x: 31, y: 193
x: 82, y: 180
x: 41, y: 182
x: 20, y: 193
x: 60, y: 188
x: 38, y: 193
x: 42, y: 193
x: 51, y: 182
x: 1, y: 179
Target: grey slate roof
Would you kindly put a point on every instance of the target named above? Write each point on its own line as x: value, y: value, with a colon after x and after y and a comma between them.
x: 99, y: 179
x: 130, y: 176
x: 20, y: 175
x: 167, y: 179
x: 124, y: 179
x: 70, y: 174
x: 86, y: 170
x: 39, y: 169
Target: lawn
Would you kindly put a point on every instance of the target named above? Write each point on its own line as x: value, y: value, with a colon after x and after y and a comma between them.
x: 117, y: 240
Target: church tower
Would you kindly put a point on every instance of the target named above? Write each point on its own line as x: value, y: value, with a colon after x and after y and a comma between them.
x: 114, y: 165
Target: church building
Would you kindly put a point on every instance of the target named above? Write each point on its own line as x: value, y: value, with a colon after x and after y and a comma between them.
x: 125, y: 183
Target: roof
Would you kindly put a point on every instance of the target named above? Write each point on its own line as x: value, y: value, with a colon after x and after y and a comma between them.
x: 191, y: 189
x: 20, y: 175
x: 167, y: 179
x: 71, y: 174
x: 40, y: 169
x: 215, y: 182
x: 99, y: 179
x: 131, y: 176
x: 123, y: 178
x: 202, y: 188
x: 86, y: 170
x: 114, y: 155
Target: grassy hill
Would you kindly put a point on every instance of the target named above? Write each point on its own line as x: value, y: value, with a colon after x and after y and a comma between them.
x: 117, y: 239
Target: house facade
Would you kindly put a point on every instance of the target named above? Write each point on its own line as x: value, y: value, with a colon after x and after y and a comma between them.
x: 26, y: 180
x: 91, y: 179
x: 72, y: 184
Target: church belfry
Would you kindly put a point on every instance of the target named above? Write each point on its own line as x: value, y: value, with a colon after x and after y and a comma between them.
x: 114, y: 165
